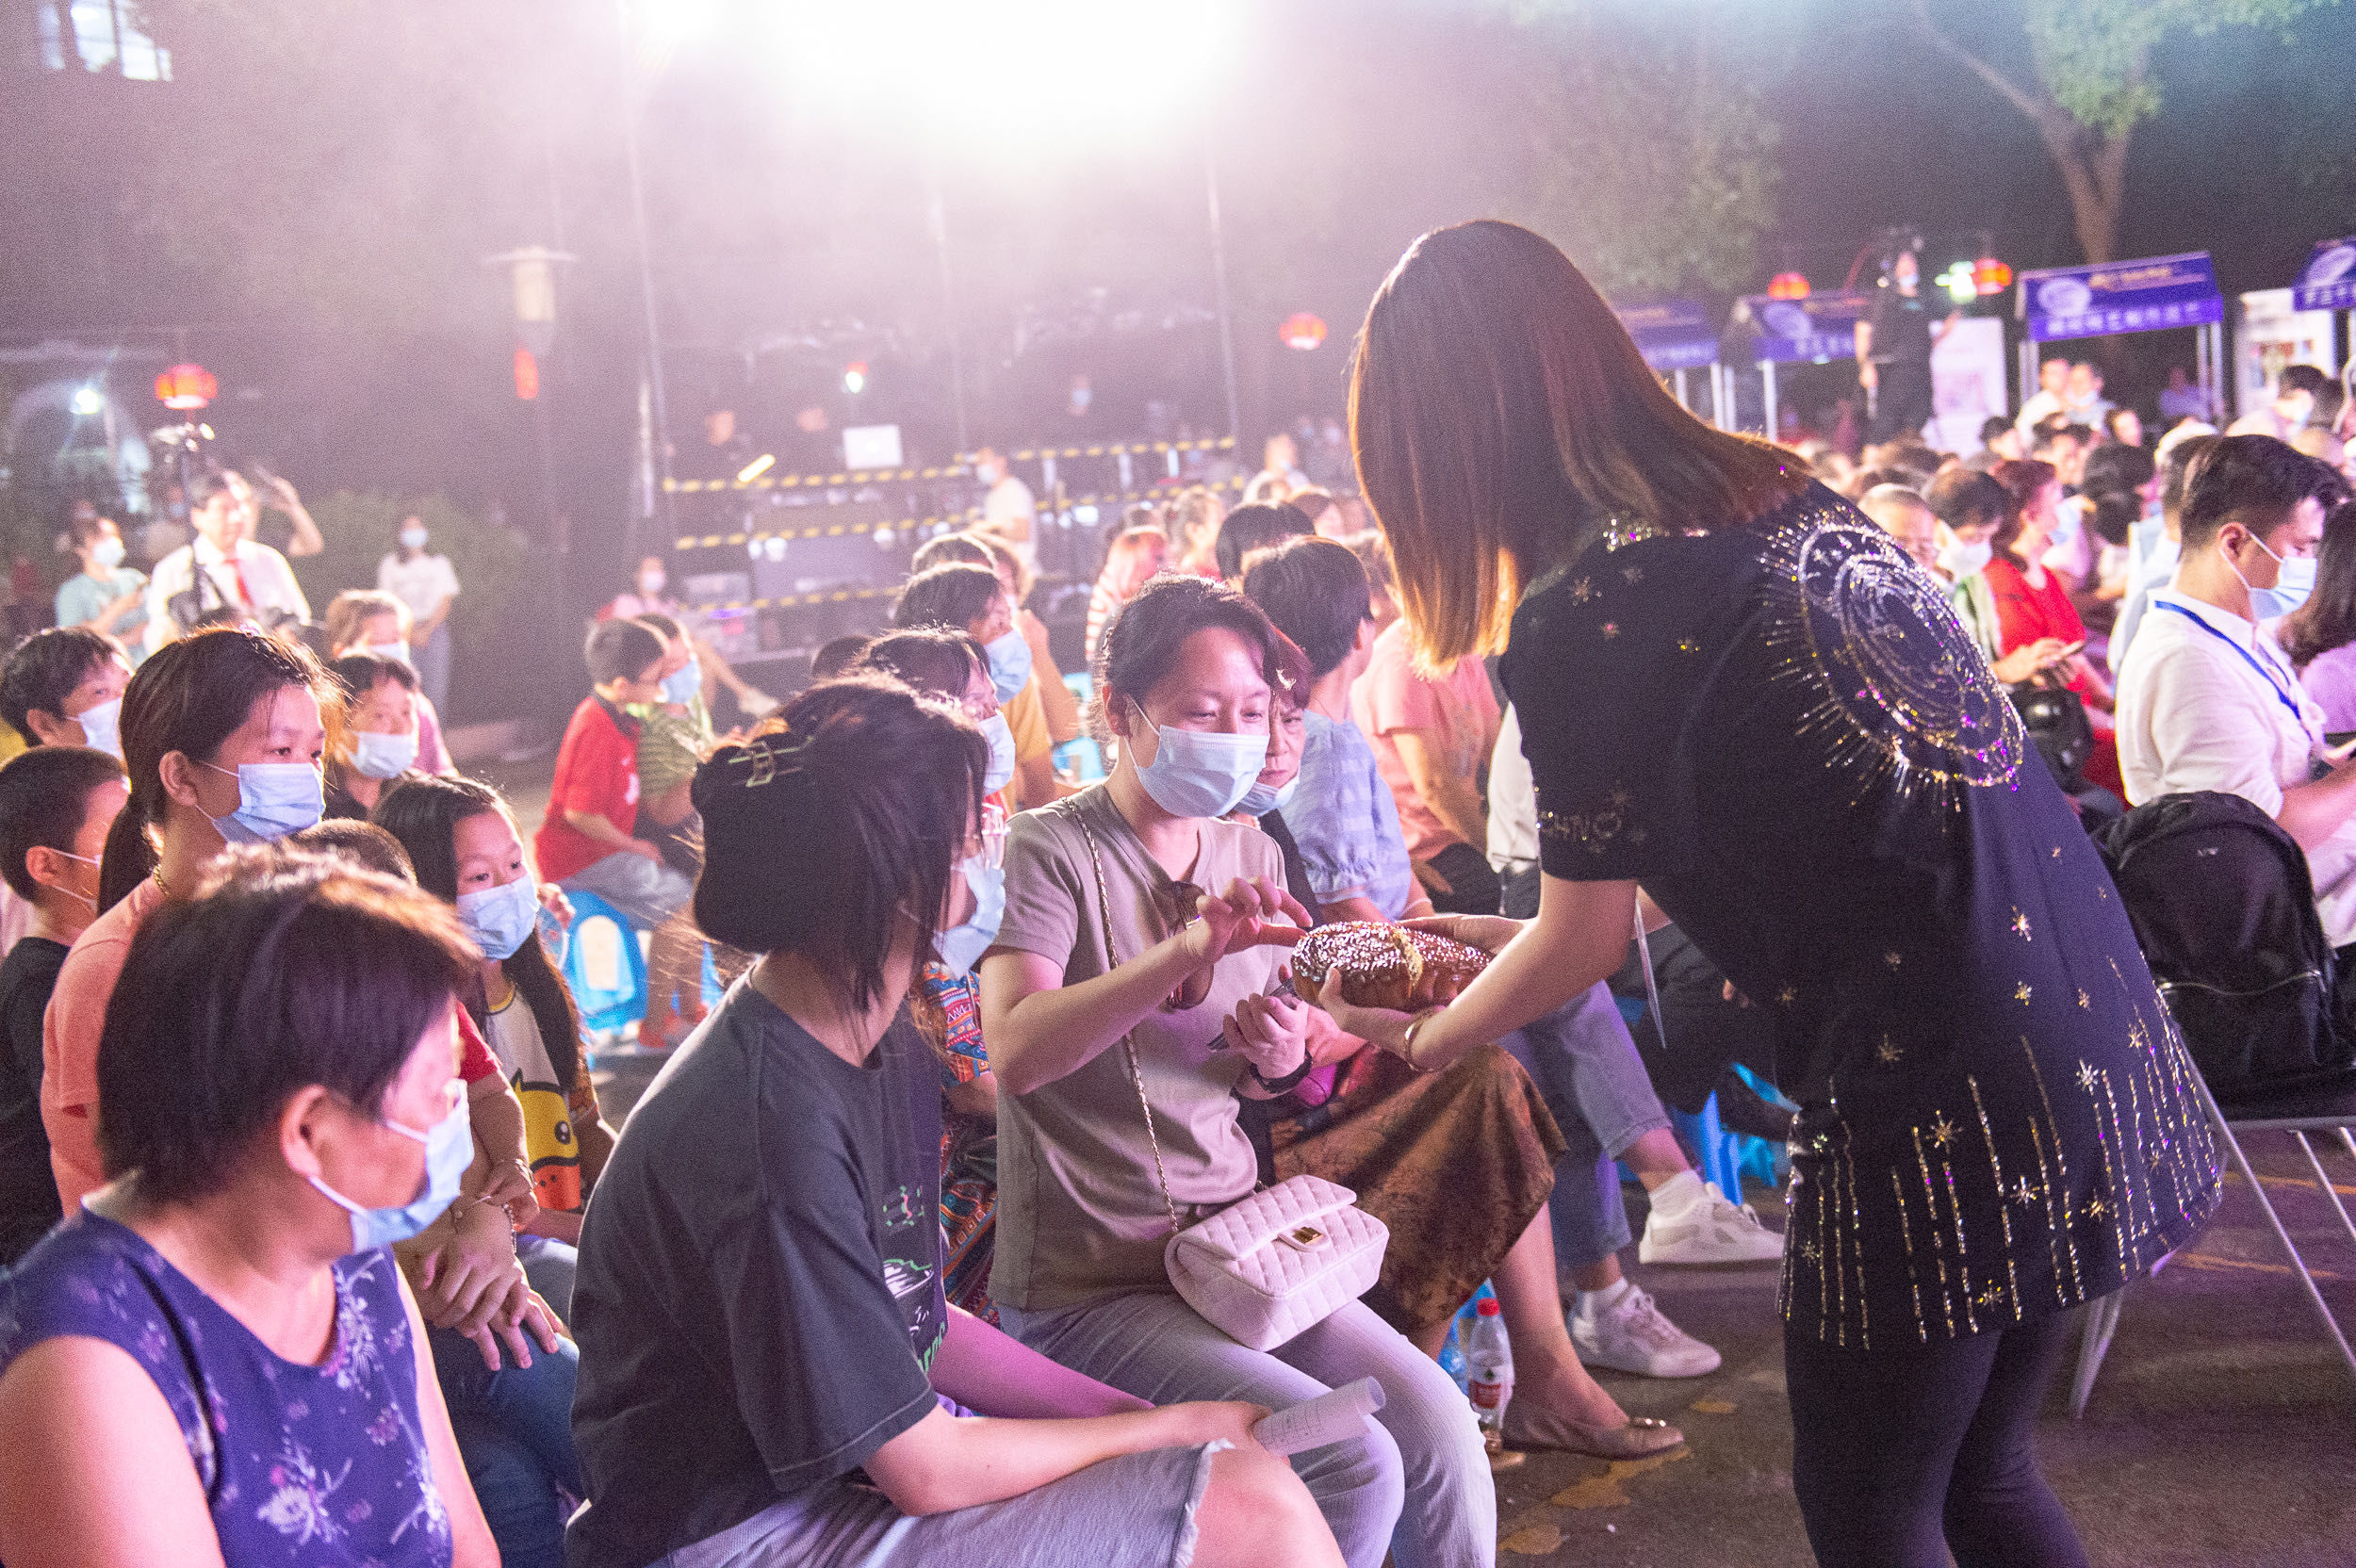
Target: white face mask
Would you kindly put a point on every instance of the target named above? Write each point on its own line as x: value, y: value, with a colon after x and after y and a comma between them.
x: 106, y: 554
x: 1960, y: 561
x: 650, y: 584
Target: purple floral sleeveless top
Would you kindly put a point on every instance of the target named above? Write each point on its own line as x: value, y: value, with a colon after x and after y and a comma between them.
x: 301, y: 1465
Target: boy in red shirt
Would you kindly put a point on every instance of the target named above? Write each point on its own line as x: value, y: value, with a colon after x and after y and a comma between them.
x: 586, y: 843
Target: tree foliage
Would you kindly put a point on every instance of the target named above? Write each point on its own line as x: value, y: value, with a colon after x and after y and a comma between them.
x: 1653, y: 158
x: 2090, y: 83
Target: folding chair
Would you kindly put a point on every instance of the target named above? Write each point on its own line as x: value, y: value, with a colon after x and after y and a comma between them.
x: 2329, y: 1110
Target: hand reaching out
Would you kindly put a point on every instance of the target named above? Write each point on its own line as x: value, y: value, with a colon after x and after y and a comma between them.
x: 1254, y: 913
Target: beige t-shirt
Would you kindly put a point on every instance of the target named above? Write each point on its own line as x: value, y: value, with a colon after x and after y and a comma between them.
x: 1080, y: 1214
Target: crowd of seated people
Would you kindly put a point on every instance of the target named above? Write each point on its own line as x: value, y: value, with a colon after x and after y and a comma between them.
x: 320, y: 1241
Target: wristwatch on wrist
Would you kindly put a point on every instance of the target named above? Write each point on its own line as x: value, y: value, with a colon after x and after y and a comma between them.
x: 1291, y: 1080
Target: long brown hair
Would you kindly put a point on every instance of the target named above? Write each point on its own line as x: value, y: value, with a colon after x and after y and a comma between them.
x: 1501, y: 415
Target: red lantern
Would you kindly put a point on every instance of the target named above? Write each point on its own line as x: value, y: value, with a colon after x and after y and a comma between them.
x: 527, y: 374
x: 1301, y: 330
x: 1990, y: 276
x: 187, y: 387
x: 1787, y: 286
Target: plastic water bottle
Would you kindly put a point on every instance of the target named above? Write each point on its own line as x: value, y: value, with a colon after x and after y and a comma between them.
x: 1490, y: 1361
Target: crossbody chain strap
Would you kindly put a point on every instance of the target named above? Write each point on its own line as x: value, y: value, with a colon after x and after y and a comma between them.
x: 1129, y: 1040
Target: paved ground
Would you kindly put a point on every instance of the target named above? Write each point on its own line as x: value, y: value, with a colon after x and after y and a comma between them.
x: 2222, y: 1429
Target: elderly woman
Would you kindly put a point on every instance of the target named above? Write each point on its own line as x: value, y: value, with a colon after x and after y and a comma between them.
x: 216, y: 1358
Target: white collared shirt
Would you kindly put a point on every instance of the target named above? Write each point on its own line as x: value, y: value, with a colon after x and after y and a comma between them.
x: 258, y: 579
x: 2207, y: 701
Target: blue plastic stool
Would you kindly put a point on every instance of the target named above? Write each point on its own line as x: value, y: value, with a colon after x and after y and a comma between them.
x: 610, y: 983
x: 1719, y: 1152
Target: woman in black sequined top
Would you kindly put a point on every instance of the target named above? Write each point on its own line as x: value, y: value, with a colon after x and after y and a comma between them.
x: 1736, y: 691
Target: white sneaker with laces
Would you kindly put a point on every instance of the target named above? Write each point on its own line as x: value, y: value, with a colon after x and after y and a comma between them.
x: 1632, y: 1335
x: 1709, y: 1229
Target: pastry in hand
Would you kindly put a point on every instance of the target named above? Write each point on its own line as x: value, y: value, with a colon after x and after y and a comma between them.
x: 1377, y: 965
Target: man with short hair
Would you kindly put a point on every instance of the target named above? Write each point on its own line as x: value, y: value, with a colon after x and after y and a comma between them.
x: 1010, y: 512
x: 2082, y: 397
x: 1907, y: 517
x: 2181, y: 400
x: 241, y: 580
x: 2052, y: 380
x: 2206, y: 700
x: 2294, y: 404
x: 2001, y: 441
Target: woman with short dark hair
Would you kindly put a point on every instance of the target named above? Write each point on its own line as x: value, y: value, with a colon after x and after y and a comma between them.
x: 1139, y: 960
x: 1738, y: 692
x: 215, y: 1354
x: 760, y: 1301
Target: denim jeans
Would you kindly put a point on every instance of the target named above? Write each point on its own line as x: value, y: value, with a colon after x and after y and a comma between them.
x: 1582, y: 1060
x: 1417, y: 1484
x: 515, y: 1426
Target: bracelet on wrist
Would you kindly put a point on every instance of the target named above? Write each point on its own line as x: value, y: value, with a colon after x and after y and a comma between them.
x: 1415, y: 1027
x: 1291, y: 1080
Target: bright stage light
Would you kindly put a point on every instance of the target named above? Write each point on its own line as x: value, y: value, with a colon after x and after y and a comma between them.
x: 87, y: 401
x: 1084, y: 71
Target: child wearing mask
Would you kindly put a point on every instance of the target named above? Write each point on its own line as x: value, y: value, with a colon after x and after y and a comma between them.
x: 56, y: 806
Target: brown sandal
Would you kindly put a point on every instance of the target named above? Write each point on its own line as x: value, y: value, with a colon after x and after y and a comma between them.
x: 1535, y: 1427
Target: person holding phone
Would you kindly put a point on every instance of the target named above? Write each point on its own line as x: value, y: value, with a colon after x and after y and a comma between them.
x: 1738, y: 692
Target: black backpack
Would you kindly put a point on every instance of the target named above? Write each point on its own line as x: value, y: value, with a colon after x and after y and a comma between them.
x: 2225, y: 911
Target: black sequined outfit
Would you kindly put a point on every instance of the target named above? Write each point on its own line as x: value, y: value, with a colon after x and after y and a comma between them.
x: 1782, y: 732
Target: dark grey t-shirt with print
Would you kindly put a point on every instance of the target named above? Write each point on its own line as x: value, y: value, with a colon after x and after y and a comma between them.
x: 760, y: 1289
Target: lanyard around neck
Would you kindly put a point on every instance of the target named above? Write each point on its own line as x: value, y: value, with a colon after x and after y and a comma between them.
x: 2246, y: 657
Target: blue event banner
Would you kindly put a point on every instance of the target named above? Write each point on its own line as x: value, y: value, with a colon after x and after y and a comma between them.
x: 2329, y: 280
x: 1821, y: 327
x: 2152, y: 295
x: 1671, y: 334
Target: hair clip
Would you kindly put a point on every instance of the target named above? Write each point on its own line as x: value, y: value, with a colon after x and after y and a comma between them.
x: 770, y: 756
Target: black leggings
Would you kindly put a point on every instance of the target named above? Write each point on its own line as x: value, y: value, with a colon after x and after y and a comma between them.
x: 1904, y: 1452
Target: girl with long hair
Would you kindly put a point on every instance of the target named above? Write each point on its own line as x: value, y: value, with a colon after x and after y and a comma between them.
x: 223, y: 736
x: 1738, y: 692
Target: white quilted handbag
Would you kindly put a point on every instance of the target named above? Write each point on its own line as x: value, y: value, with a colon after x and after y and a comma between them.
x: 1269, y: 1268
x: 1280, y: 1261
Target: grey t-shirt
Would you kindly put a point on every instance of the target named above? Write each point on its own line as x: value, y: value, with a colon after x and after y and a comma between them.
x: 1080, y: 1214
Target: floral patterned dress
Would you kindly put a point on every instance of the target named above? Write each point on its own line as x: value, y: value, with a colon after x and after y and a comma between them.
x: 324, y: 1465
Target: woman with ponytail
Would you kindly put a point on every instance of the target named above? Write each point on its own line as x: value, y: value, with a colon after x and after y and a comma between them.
x: 222, y: 734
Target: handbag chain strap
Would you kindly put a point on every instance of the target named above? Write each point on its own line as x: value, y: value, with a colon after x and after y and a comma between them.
x: 1129, y: 1040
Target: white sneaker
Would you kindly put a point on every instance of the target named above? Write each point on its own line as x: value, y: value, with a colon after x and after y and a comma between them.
x: 1711, y: 1230
x: 1632, y: 1335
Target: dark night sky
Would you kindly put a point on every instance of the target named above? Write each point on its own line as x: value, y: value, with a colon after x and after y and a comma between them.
x: 1344, y: 127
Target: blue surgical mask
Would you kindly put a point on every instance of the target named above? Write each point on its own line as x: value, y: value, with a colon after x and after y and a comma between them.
x: 377, y: 756
x: 449, y: 1149
x: 1260, y: 800
x: 1199, y: 773
x: 274, y: 800
x: 1000, y: 735
x: 1009, y: 664
x: 390, y: 650
x: 2294, y: 579
x: 681, y: 684
x: 961, y: 946
x: 413, y: 538
x: 102, y: 728
x: 497, y: 919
